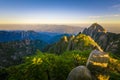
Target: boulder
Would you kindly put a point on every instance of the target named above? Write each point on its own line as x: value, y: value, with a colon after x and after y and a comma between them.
x: 80, y: 73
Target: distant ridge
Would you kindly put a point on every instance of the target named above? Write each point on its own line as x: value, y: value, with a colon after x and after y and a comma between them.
x: 8, y: 36
x: 70, y: 29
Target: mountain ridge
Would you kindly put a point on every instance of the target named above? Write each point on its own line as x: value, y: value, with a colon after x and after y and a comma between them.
x: 79, y: 42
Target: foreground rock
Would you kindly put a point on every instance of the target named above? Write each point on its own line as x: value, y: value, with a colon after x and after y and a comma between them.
x: 80, y: 73
x: 98, y: 58
x: 97, y: 64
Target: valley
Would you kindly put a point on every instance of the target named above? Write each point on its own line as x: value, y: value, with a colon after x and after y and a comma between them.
x: 31, y: 55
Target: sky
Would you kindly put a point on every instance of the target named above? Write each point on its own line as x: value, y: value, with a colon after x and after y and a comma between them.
x: 59, y: 11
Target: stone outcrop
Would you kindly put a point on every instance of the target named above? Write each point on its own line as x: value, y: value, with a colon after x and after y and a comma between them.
x: 98, y: 58
x: 97, y: 63
x: 80, y: 73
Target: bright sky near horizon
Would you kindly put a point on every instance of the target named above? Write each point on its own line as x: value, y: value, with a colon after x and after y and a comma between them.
x: 59, y: 11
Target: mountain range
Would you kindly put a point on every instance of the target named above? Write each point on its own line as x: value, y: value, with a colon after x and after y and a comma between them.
x: 38, y: 55
x: 14, y: 45
x: 7, y: 36
x: 69, y: 29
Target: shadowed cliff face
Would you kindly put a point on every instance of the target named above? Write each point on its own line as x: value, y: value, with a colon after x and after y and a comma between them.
x: 11, y: 53
x: 108, y: 41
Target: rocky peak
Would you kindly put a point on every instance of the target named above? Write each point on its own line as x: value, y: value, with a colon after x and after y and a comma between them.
x: 98, y: 33
x: 97, y: 27
x: 94, y: 28
x: 108, y: 41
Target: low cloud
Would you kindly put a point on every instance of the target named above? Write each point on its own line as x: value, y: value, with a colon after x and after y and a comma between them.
x: 94, y: 17
x: 116, y: 15
x: 113, y: 15
x: 104, y: 16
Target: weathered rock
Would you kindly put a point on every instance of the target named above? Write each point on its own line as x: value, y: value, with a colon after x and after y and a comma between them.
x: 80, y: 73
x: 98, y: 58
x: 97, y: 63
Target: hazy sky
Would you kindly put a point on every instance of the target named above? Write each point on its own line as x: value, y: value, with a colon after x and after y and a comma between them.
x: 59, y: 11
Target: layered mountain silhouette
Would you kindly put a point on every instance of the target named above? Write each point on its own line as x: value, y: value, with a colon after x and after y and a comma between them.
x: 48, y: 37
x: 16, y: 44
x: 69, y: 29
x: 108, y: 41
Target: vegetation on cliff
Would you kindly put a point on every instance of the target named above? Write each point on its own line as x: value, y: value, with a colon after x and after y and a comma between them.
x: 78, y: 42
x: 47, y: 66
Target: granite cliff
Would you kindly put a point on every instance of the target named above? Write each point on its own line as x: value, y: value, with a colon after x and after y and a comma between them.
x: 108, y: 41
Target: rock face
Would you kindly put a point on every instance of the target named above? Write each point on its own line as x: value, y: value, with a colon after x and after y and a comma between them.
x: 78, y: 42
x: 97, y: 63
x: 80, y: 73
x: 107, y: 41
x: 98, y: 58
x: 98, y: 33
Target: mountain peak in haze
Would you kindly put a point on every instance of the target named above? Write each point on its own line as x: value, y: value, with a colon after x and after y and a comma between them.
x: 96, y: 27
x: 93, y: 29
